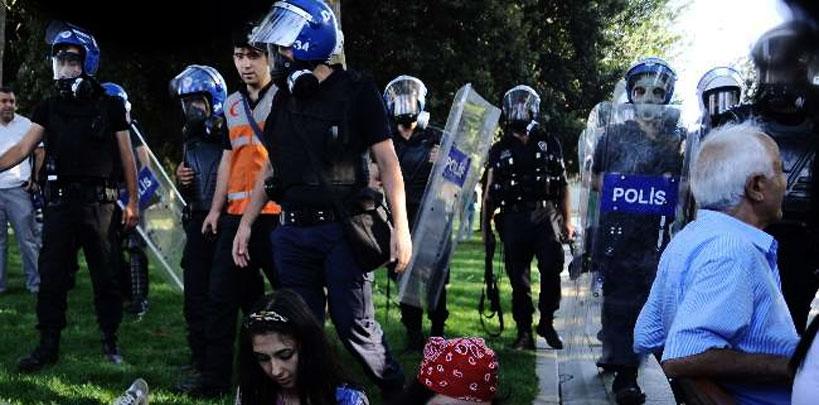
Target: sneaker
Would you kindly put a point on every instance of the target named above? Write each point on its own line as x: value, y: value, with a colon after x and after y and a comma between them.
x: 45, y: 354
x: 524, y: 341
x: 548, y: 332
x: 111, y: 350
x: 137, y: 394
x: 625, y: 388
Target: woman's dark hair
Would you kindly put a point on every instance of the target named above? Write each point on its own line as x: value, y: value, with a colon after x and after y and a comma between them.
x: 319, y: 372
x: 804, y: 345
x: 416, y: 393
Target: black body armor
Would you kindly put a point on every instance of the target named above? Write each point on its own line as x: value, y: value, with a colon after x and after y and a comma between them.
x: 526, y: 173
x: 321, y: 123
x: 203, y: 157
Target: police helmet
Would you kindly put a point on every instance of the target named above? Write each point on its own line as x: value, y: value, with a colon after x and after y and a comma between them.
x: 200, y: 79
x: 405, y: 95
x: 90, y: 52
x: 719, y: 89
x: 521, y: 103
x: 115, y: 90
x: 309, y: 27
x: 650, y: 72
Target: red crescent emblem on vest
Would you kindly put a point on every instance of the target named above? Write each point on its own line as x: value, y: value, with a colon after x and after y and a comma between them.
x: 232, y: 109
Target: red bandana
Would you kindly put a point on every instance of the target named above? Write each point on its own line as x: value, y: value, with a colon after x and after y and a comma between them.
x: 462, y: 368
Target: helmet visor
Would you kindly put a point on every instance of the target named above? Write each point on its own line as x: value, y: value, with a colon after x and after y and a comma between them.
x: 281, y: 26
x: 651, y: 88
x: 720, y: 100
x: 404, y: 97
x: 521, y: 105
x: 66, y: 64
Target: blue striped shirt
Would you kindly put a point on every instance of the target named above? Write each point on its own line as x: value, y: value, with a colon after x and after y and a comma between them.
x: 717, y: 287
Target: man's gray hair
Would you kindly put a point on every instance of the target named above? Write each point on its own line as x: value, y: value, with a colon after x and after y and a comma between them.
x: 728, y: 157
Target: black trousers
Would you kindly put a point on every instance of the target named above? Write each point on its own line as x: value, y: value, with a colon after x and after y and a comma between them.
x: 797, y: 261
x: 232, y: 288
x: 66, y: 228
x: 197, y: 261
x: 526, y: 235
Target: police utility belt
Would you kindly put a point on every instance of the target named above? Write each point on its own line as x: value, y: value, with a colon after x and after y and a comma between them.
x: 307, y: 216
x: 524, y: 206
x: 59, y: 192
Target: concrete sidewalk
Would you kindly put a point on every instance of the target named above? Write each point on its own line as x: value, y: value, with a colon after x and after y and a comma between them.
x: 570, y: 376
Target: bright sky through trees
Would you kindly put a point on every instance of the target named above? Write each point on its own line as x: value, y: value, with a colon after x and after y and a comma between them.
x: 716, y: 33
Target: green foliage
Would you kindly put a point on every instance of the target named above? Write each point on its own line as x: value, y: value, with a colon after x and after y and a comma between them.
x: 571, y: 52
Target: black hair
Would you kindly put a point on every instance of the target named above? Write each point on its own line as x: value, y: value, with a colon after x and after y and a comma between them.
x: 6, y: 89
x: 241, y: 35
x: 416, y: 393
x: 319, y: 371
x: 804, y: 345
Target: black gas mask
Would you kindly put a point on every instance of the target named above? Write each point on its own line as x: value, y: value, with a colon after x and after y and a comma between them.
x: 294, y: 75
x: 83, y: 87
x: 522, y: 127
x: 196, y: 110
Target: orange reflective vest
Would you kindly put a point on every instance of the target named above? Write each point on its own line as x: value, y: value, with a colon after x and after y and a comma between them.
x: 249, y: 155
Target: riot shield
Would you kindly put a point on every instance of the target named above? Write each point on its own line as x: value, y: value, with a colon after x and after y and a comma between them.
x: 470, y: 127
x: 637, y: 171
x: 161, y: 206
x: 598, y: 119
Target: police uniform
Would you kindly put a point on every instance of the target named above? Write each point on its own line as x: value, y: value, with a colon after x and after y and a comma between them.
x: 527, y: 183
x: 83, y: 166
x: 232, y: 287
x: 413, y: 157
x: 339, y: 122
x: 203, y: 152
x: 628, y: 246
x: 797, y: 232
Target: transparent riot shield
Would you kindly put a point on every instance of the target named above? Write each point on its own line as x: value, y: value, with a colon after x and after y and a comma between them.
x: 471, y: 124
x: 637, y: 171
x: 599, y: 117
x: 161, y: 207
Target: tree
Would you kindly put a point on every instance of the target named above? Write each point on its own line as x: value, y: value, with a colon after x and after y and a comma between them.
x: 571, y: 52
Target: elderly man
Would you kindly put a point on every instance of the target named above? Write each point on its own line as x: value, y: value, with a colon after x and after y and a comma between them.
x: 716, y: 309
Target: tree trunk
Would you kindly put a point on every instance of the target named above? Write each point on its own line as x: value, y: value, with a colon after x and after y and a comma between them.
x: 336, y: 6
x: 2, y: 37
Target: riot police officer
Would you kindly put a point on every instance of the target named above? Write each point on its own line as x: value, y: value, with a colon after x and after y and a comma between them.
x: 322, y: 125
x: 719, y: 90
x: 639, y: 152
x: 201, y: 91
x: 88, y: 149
x: 527, y: 180
x: 134, y: 269
x: 416, y: 145
x: 785, y: 104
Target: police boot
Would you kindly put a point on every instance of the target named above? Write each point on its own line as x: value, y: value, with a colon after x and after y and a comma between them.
x: 547, y: 330
x: 625, y: 388
x: 110, y: 348
x: 415, y: 340
x: 45, y: 354
x: 524, y: 340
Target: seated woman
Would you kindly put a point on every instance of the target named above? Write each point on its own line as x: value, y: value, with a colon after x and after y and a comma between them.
x: 454, y: 372
x: 285, y: 358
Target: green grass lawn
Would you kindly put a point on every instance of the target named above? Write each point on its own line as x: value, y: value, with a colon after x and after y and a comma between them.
x: 155, y: 346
